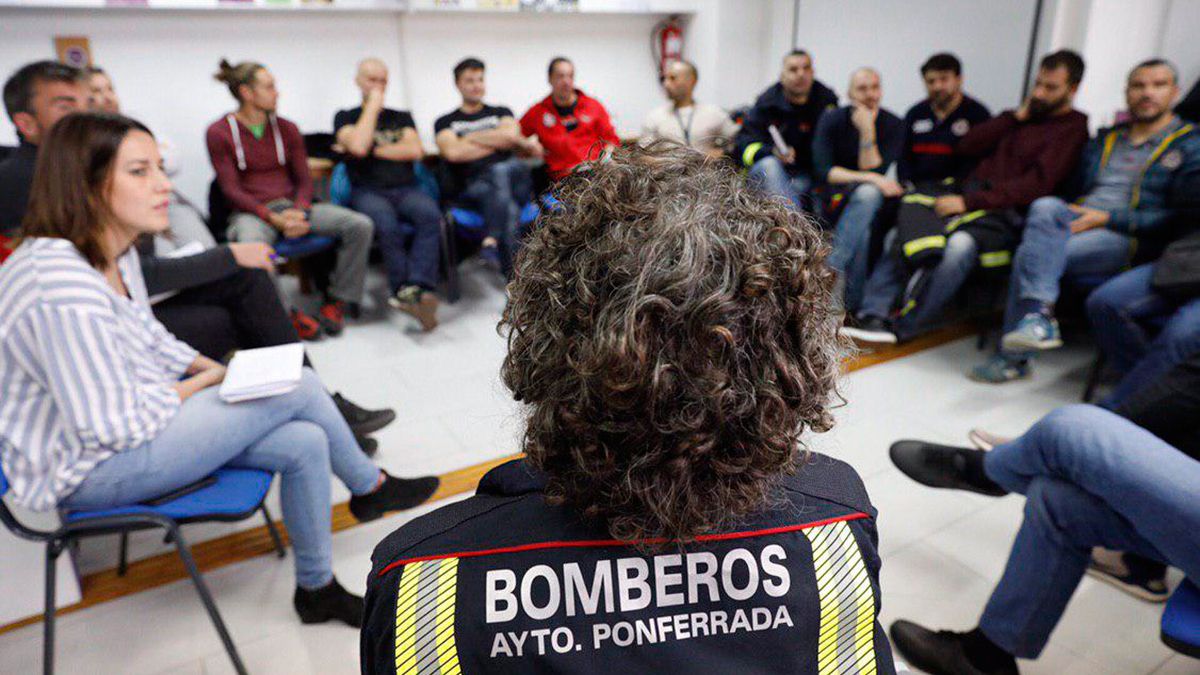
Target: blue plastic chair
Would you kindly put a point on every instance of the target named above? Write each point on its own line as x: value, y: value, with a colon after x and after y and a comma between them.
x: 302, y: 247
x: 468, y: 224
x: 236, y: 495
x: 1181, y: 620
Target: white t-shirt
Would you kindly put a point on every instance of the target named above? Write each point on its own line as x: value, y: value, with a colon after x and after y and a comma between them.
x: 702, y: 126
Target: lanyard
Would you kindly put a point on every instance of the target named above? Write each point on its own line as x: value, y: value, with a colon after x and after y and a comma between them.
x: 686, y: 128
x: 237, y: 141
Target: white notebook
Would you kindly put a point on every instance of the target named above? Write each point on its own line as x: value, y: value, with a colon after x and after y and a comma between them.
x: 263, y: 372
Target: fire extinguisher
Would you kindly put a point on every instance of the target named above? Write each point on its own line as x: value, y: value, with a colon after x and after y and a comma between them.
x: 667, y: 44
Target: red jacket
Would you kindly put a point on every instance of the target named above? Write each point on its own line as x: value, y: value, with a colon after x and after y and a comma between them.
x: 1022, y: 161
x: 566, y: 149
x: 266, y: 171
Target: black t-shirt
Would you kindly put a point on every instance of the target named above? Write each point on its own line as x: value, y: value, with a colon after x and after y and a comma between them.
x: 372, y: 171
x: 928, y: 154
x: 462, y: 123
x: 16, y: 178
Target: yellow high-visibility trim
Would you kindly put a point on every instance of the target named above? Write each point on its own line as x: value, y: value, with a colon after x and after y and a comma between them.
x: 923, y: 200
x: 995, y: 259
x: 846, y: 633
x: 1136, y: 195
x: 919, y: 244
x: 964, y: 219
x: 749, y: 152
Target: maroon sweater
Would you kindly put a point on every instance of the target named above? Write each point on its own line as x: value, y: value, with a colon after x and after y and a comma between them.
x: 264, y: 178
x: 1022, y: 161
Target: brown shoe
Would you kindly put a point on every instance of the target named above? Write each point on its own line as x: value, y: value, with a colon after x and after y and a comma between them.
x: 418, y: 303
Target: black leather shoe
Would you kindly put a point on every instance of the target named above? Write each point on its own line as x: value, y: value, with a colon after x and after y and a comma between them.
x: 332, y: 602
x: 369, y: 445
x: 943, y: 466
x: 941, y: 653
x: 362, y: 421
x: 396, y: 494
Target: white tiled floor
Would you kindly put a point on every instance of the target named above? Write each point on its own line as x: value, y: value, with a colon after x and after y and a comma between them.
x: 942, y: 551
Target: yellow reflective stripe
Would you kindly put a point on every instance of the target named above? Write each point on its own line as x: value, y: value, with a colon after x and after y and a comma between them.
x: 964, y: 219
x: 406, y: 600
x: 447, y: 651
x: 425, y: 603
x: 995, y: 259
x: 919, y: 244
x: 1109, y: 141
x: 908, y: 307
x: 749, y: 152
x: 1136, y: 195
x: 923, y: 200
x: 846, y: 633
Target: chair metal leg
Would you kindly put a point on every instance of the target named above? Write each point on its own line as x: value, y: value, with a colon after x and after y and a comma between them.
x: 274, y: 532
x: 53, y: 549
x: 450, y: 260
x: 123, y: 556
x: 185, y: 554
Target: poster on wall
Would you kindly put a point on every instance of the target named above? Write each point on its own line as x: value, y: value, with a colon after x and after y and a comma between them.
x: 73, y: 50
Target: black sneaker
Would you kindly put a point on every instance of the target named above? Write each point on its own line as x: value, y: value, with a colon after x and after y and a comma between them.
x: 941, y: 653
x: 870, y: 330
x: 942, y: 466
x: 331, y: 602
x: 361, y: 420
x: 396, y: 494
x: 368, y: 445
x: 1143, y: 579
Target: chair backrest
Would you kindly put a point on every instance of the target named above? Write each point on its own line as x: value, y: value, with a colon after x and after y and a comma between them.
x: 339, y: 185
x: 1181, y: 620
x: 219, y: 212
x: 3, y: 482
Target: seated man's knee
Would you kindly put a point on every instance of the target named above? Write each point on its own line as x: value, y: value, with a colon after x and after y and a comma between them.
x: 960, y: 244
x: 1067, y: 420
x: 767, y: 166
x: 1047, y: 206
x: 1100, y: 303
x: 867, y: 193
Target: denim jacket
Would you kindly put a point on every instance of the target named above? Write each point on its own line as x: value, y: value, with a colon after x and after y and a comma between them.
x: 1166, y: 195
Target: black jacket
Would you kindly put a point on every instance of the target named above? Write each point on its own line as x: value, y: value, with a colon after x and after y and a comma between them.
x: 16, y: 178
x: 795, y: 123
x: 504, y: 582
x: 1169, y: 407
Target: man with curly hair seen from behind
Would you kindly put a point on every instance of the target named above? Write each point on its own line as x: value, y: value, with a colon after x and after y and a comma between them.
x: 670, y: 334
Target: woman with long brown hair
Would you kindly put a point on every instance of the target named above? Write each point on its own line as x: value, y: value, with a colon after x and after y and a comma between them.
x: 100, y: 406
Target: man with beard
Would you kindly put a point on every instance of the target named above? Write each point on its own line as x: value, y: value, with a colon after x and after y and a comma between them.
x: 942, y: 237
x: 793, y: 105
x: 1138, y: 178
x: 701, y: 126
x: 933, y: 127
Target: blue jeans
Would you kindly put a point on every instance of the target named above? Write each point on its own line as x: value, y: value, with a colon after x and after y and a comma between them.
x: 1090, y: 478
x: 886, y: 284
x: 1049, y: 253
x: 300, y: 435
x: 408, y: 226
x: 852, y: 241
x: 498, y: 194
x: 1123, y: 312
x: 772, y: 177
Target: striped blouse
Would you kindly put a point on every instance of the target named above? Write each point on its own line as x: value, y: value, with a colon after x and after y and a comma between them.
x: 84, y: 372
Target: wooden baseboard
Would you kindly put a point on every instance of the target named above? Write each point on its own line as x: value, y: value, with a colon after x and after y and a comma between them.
x: 166, y: 568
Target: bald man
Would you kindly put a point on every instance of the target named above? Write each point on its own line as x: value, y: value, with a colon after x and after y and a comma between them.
x: 702, y: 126
x: 383, y: 145
x: 853, y: 148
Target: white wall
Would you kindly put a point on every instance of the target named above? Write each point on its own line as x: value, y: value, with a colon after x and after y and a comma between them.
x: 1180, y: 43
x: 1119, y: 34
x: 990, y: 38
x: 162, y: 62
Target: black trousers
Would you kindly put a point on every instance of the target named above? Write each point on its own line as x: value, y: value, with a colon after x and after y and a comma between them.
x: 241, y: 311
